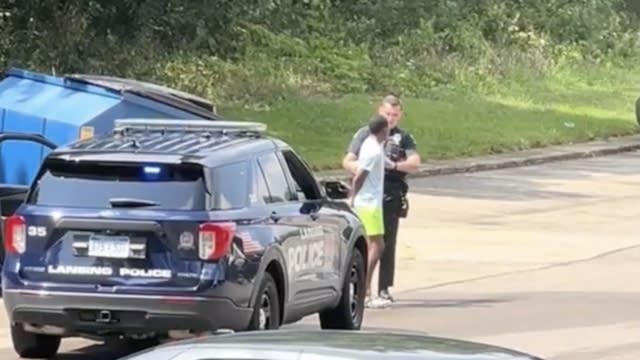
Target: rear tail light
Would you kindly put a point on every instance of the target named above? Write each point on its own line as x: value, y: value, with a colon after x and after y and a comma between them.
x: 214, y: 240
x: 15, y: 235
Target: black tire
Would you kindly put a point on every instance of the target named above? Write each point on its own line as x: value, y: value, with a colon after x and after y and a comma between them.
x: 266, y: 308
x: 349, y: 313
x: 33, y: 346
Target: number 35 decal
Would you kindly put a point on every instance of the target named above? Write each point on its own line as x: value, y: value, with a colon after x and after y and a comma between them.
x: 39, y: 231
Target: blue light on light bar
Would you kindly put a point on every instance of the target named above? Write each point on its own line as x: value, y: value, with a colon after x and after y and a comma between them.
x: 152, y: 170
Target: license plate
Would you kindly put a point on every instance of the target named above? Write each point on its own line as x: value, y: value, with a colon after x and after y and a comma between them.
x: 109, y: 246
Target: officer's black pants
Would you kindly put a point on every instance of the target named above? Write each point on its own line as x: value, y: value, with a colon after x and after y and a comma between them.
x: 391, y: 213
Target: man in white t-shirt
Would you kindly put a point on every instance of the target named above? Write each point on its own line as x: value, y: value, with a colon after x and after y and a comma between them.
x: 368, y: 192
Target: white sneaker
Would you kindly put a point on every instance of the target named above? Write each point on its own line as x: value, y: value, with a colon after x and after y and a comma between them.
x: 377, y: 303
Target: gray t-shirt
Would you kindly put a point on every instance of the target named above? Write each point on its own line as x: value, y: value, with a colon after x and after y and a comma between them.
x: 371, y: 159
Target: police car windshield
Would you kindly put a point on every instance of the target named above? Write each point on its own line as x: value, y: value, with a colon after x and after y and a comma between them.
x: 96, y: 185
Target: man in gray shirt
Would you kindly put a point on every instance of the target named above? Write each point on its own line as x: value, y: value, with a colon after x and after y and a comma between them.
x: 401, y: 158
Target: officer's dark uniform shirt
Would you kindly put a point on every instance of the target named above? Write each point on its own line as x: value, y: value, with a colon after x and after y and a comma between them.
x: 398, y: 147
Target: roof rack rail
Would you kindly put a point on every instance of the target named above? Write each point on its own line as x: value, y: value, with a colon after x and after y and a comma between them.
x: 122, y: 125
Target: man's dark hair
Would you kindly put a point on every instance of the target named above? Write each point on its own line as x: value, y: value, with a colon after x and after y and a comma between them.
x: 377, y: 124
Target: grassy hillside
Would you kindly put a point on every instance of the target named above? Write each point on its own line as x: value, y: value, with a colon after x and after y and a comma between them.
x: 455, y: 124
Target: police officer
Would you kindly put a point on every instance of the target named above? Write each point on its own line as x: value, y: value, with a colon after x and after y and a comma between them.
x: 401, y: 158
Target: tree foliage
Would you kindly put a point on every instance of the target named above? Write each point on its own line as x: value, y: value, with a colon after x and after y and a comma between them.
x: 263, y: 49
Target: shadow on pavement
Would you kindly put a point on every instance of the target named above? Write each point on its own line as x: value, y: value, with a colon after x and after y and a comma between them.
x: 528, y: 183
x: 623, y: 164
x: 495, y: 186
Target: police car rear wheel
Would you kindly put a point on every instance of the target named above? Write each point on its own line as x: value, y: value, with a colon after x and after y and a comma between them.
x: 33, y: 346
x: 266, y: 310
x: 349, y: 313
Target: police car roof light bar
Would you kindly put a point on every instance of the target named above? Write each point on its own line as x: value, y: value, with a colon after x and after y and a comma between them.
x: 122, y: 125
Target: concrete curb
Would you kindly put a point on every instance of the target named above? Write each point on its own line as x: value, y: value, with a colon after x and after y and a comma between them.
x: 523, y: 158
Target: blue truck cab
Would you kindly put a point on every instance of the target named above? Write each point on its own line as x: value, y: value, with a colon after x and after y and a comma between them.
x: 39, y: 112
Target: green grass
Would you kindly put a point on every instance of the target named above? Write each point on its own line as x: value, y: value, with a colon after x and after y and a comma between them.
x: 525, y: 113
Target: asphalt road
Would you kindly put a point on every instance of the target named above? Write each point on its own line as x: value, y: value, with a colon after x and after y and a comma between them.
x: 542, y: 259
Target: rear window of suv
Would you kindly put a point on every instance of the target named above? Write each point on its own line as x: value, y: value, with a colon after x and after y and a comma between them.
x: 101, y: 185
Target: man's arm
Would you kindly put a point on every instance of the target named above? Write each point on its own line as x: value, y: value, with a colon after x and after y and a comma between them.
x: 412, y: 162
x: 350, y: 163
x: 358, y: 180
x: 350, y: 160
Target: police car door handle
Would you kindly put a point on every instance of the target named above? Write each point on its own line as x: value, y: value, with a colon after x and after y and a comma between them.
x: 274, y: 216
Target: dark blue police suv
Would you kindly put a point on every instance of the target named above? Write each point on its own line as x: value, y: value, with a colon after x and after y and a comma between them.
x: 166, y: 228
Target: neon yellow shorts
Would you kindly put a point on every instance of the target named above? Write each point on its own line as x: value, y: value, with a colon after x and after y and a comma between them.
x: 372, y: 220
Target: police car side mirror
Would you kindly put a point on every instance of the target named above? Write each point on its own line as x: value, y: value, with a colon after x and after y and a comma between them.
x: 337, y: 190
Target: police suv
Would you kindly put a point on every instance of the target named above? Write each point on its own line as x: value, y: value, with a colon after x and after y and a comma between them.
x: 166, y: 228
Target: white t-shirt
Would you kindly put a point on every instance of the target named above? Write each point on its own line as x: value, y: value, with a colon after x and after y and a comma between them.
x: 371, y: 158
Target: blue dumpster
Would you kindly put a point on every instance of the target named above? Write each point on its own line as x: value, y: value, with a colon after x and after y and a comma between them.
x: 63, y: 109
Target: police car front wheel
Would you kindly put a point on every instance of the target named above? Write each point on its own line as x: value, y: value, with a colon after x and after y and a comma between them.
x: 33, y: 346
